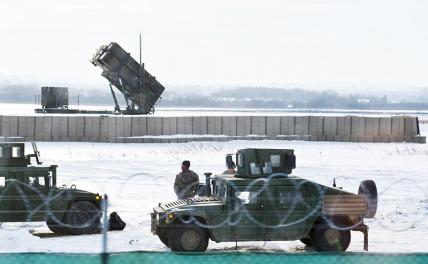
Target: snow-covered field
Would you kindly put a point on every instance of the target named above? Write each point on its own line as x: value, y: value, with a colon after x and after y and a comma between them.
x: 138, y: 176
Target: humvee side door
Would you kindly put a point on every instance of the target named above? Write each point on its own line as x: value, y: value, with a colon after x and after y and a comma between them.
x: 291, y: 213
x: 32, y: 195
x: 7, y: 200
x: 248, y: 216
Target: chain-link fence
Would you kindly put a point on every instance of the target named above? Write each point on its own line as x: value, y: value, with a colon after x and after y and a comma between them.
x: 138, y: 178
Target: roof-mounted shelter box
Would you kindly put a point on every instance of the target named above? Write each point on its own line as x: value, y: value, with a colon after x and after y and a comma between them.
x: 260, y: 163
x: 140, y: 89
x: 13, y: 155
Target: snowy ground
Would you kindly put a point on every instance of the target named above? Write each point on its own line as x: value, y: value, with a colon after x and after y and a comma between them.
x: 138, y: 176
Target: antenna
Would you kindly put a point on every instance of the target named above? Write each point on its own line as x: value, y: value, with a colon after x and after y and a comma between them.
x: 140, y: 49
x: 141, y: 72
x: 36, y: 152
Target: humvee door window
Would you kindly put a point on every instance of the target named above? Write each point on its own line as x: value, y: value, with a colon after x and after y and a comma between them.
x: 37, y: 181
x: 275, y: 161
x: 290, y: 197
x: 16, y: 152
x: 247, y: 197
x: 255, y: 169
x: 42, y: 181
x: 267, y: 169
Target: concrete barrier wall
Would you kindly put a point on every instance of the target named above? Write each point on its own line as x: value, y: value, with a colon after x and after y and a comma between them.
x: 243, y: 125
x: 344, y: 125
x: 119, y: 128
x: 316, y: 128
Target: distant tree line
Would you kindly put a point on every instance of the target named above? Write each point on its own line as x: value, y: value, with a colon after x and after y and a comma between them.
x: 242, y: 97
x: 260, y: 97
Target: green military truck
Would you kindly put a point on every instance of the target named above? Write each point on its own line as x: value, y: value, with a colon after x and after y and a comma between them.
x: 30, y: 194
x: 262, y: 201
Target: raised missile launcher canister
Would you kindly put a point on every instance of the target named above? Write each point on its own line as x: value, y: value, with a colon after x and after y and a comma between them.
x: 140, y: 89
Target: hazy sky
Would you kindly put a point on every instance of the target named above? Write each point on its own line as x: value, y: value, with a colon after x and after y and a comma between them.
x: 311, y: 43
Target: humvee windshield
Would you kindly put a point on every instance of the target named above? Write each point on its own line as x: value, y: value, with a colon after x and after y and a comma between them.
x: 220, y: 190
x: 35, y: 181
x: 40, y: 181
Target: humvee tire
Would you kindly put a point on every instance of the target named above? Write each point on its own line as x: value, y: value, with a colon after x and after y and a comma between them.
x: 307, y: 241
x: 164, y: 238
x: 82, y: 217
x: 369, y: 191
x: 327, y: 239
x: 57, y: 228
x: 189, y: 238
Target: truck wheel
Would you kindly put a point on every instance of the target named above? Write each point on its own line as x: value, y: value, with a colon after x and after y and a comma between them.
x: 369, y: 191
x: 164, y: 238
x: 189, y: 238
x: 328, y: 239
x: 307, y: 241
x: 83, y: 217
x: 57, y: 228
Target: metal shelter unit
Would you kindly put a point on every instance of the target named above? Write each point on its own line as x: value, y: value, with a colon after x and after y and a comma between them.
x: 54, y: 97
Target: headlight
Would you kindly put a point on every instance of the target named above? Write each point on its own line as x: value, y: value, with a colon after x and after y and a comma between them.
x: 170, y: 217
x: 157, y: 218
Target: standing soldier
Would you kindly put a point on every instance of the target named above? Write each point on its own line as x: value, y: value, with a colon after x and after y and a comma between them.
x: 186, y: 182
x: 230, y: 164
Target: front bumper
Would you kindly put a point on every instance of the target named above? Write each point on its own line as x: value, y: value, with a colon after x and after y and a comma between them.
x: 365, y: 230
x: 154, y: 223
x: 157, y: 219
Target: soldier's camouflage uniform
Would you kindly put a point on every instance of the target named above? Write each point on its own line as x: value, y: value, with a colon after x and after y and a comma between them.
x: 186, y: 184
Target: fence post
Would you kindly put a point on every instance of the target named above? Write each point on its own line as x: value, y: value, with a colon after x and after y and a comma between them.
x: 104, y: 254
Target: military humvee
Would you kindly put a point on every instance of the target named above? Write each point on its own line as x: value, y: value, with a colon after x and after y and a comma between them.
x: 30, y: 194
x: 263, y: 202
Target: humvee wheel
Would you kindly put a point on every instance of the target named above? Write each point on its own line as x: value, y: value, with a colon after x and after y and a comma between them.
x: 57, y: 228
x: 330, y: 239
x: 82, y: 217
x: 164, y: 238
x: 188, y: 239
x: 307, y: 241
x: 369, y: 191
